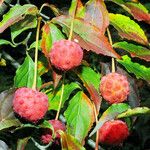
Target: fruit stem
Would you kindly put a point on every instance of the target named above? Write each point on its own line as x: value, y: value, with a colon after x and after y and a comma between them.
x: 71, y: 30
x: 61, y: 97
x: 36, y: 54
x: 113, y: 59
x: 97, y: 133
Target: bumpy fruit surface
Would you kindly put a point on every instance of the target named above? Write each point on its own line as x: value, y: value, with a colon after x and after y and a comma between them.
x: 66, y: 54
x: 47, y: 134
x: 114, y: 88
x: 30, y: 104
x: 113, y: 132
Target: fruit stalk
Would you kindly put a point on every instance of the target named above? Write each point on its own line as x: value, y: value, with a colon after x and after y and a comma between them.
x: 61, y: 97
x: 113, y: 59
x: 36, y: 53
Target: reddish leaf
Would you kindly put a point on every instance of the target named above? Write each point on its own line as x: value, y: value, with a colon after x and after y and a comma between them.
x: 97, y: 14
x: 50, y: 34
x: 138, y: 11
x: 88, y: 36
x: 46, y: 39
x: 56, y: 78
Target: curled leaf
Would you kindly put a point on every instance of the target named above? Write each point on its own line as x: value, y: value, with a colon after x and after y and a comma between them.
x: 16, y: 14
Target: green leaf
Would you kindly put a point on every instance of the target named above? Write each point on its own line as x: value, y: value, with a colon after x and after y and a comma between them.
x: 110, y: 114
x: 97, y: 14
x: 50, y: 34
x: 68, y: 142
x: 89, y: 76
x: 25, y: 74
x: 79, y: 116
x: 73, y: 7
x: 134, y: 50
x: 134, y: 111
x: 15, y: 14
x: 128, y: 28
x: 33, y: 45
x: 88, y: 36
x: 140, y: 71
x: 91, y: 81
x: 54, y: 99
x: 5, y: 42
x: 28, y: 22
x: 7, y: 117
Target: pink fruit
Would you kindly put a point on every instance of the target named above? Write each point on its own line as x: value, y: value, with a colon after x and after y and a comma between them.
x: 30, y: 104
x: 47, y: 135
x: 66, y: 54
x: 114, y: 88
x: 113, y: 132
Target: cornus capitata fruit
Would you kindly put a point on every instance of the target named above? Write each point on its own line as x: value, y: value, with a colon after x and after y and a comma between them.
x: 47, y: 134
x: 114, y: 88
x: 30, y: 104
x: 113, y: 132
x: 66, y: 54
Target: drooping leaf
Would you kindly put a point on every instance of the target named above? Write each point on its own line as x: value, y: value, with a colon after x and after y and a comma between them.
x: 50, y: 34
x: 138, y: 11
x: 110, y: 114
x: 140, y: 71
x: 97, y: 14
x: 128, y: 28
x: 25, y: 74
x: 29, y: 22
x: 134, y: 50
x: 15, y: 14
x: 5, y: 42
x: 68, y: 142
x: 54, y: 98
x: 7, y: 117
x: 134, y: 111
x: 88, y: 36
x: 91, y: 81
x: 79, y: 116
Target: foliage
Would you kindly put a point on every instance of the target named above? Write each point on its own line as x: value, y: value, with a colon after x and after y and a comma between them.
x: 104, y: 33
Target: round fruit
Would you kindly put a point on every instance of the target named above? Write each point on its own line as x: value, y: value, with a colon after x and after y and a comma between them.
x: 66, y: 54
x: 113, y: 132
x: 30, y: 104
x: 114, y: 88
x: 47, y: 134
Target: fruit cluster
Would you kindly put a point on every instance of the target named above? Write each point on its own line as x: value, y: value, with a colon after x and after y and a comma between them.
x: 114, y: 88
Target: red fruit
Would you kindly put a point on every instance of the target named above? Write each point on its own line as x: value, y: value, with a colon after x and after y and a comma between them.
x: 66, y: 54
x: 47, y: 135
x: 114, y: 88
x: 113, y: 132
x: 30, y: 104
